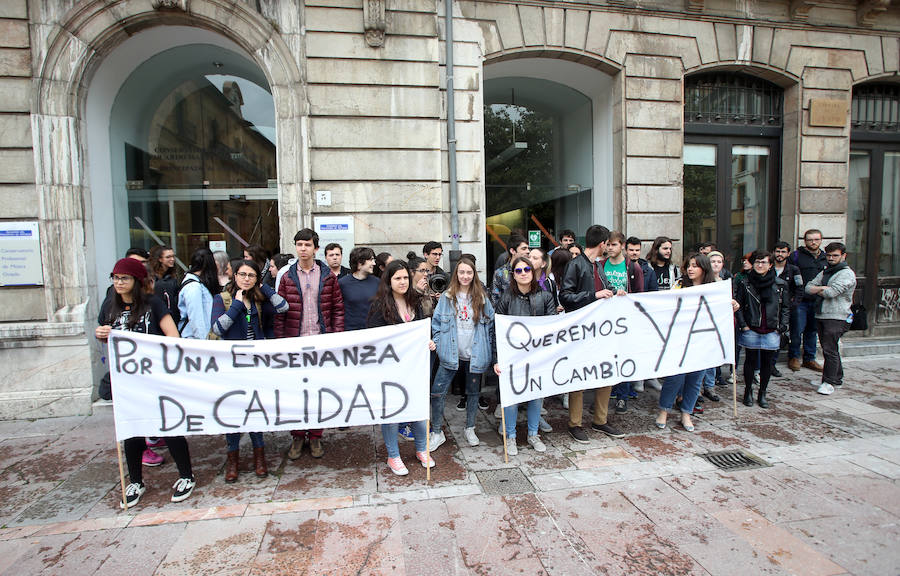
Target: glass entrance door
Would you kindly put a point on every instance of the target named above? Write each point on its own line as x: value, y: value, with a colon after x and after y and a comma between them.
x: 729, y: 186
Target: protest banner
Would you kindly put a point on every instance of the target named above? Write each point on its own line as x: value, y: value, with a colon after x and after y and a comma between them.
x: 170, y: 386
x: 624, y: 338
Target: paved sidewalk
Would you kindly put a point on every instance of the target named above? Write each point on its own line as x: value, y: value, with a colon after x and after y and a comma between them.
x: 645, y: 504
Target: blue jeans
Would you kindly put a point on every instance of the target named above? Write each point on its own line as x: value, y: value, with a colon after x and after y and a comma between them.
x: 622, y: 390
x: 689, y: 387
x: 389, y: 433
x: 233, y: 440
x: 533, y: 413
x: 803, y: 325
x: 709, y: 378
x: 442, y: 381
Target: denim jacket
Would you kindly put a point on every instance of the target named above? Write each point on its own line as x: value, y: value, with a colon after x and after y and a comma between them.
x: 443, y: 332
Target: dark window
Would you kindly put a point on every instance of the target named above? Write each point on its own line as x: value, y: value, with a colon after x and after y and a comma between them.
x: 731, y: 98
x: 876, y: 107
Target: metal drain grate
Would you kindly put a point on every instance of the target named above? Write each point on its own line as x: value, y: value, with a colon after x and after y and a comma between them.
x: 504, y: 481
x: 735, y: 460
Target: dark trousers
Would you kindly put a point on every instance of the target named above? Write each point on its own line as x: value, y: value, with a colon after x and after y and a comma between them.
x: 178, y: 448
x: 761, y: 359
x: 830, y: 332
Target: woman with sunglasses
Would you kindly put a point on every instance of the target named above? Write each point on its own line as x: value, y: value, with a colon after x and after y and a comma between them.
x: 134, y: 308
x: 246, y: 310
x: 524, y: 298
x: 697, y: 271
x: 396, y: 302
x: 461, y: 328
x: 764, y: 315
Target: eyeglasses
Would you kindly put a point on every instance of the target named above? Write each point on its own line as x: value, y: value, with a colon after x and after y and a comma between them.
x: 437, y: 254
x: 422, y: 270
x: 247, y: 275
x: 523, y: 270
x: 120, y: 279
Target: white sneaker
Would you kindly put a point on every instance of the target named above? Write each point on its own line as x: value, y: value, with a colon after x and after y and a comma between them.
x: 638, y: 386
x: 511, y: 448
x: 565, y: 401
x: 437, y: 438
x: 825, y: 389
x: 654, y: 383
x: 471, y: 438
x: 544, y: 426
x: 543, y: 410
x: 535, y: 442
x: 498, y: 412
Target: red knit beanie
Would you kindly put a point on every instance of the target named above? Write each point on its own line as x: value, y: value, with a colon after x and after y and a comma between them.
x: 131, y: 267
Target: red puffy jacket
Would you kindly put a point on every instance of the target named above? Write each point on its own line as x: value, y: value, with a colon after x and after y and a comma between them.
x: 331, y: 303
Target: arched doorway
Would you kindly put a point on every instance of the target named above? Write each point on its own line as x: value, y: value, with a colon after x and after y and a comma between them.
x: 732, y: 151
x: 873, y: 202
x: 548, y: 150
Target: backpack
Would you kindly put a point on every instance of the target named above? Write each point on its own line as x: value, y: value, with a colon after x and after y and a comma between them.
x: 226, y: 301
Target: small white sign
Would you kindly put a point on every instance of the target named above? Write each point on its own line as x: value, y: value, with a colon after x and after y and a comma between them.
x: 20, y: 254
x: 218, y: 246
x: 323, y: 197
x: 335, y: 229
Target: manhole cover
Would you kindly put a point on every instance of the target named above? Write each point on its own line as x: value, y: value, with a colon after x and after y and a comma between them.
x: 735, y: 460
x: 504, y: 481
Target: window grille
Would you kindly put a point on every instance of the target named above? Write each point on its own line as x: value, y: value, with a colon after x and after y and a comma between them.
x: 732, y: 98
x: 876, y: 107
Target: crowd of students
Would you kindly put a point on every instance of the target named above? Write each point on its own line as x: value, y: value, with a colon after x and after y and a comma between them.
x: 256, y: 297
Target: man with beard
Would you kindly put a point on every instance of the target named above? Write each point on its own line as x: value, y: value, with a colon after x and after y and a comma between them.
x: 810, y: 260
x: 660, y: 257
x: 792, y: 278
x: 833, y: 292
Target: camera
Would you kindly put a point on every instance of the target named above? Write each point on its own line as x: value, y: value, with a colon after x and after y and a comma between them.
x: 438, y: 282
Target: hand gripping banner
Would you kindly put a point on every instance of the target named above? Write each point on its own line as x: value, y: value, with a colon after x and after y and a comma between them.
x: 620, y: 339
x: 172, y: 386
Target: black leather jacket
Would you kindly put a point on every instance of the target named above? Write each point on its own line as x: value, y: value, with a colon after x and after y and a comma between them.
x: 749, y: 314
x: 538, y: 303
x: 577, y: 287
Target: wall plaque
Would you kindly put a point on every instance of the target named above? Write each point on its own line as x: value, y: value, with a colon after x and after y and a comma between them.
x: 827, y: 112
x: 20, y: 254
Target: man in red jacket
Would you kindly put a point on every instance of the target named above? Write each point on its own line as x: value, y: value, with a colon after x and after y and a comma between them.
x: 315, y: 306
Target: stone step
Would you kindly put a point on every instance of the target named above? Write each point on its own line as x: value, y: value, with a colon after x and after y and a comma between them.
x: 869, y: 346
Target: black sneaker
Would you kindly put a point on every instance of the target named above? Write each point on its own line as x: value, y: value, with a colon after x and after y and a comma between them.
x: 610, y: 431
x: 482, y: 404
x: 711, y: 394
x: 621, y: 406
x: 461, y: 405
x: 700, y: 400
x: 776, y: 372
x: 182, y: 489
x: 579, y: 435
x: 133, y: 493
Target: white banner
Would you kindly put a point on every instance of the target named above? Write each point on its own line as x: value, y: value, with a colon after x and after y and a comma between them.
x: 620, y: 339
x: 173, y: 386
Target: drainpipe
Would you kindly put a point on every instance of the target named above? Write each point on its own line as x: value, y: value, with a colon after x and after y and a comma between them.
x: 455, y: 252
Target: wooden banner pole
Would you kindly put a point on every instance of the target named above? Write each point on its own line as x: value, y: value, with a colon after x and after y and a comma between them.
x: 503, y: 424
x: 121, y: 475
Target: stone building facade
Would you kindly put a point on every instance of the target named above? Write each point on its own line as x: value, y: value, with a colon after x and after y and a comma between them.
x: 357, y: 93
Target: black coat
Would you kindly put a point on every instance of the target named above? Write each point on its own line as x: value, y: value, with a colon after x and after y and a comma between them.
x: 577, y: 287
x: 537, y: 303
x: 749, y: 314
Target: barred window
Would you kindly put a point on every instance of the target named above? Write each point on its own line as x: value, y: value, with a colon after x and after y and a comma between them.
x: 732, y: 98
x: 876, y: 107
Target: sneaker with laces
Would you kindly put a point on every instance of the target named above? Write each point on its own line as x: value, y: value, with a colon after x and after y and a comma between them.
x: 579, y: 434
x: 483, y: 404
x: 638, y: 386
x: 406, y: 432
x: 133, y: 493
x: 156, y: 442
x: 654, y: 383
x: 621, y: 406
x: 437, y: 439
x: 610, y: 431
x: 425, y: 459
x: 471, y: 437
x: 544, y: 426
x: 826, y: 389
x: 461, y: 405
x: 151, y: 458
x: 397, y: 466
x: 535, y: 442
x: 183, y: 488
x: 498, y: 412
x: 511, y: 448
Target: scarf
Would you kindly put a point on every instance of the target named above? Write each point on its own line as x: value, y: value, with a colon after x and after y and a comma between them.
x: 763, y: 284
x: 826, y: 278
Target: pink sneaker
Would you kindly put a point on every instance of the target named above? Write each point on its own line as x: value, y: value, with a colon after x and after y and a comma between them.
x: 151, y: 458
x: 156, y: 442
x: 425, y: 459
x: 397, y: 466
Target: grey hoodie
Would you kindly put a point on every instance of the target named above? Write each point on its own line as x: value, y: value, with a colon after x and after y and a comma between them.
x: 838, y: 294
